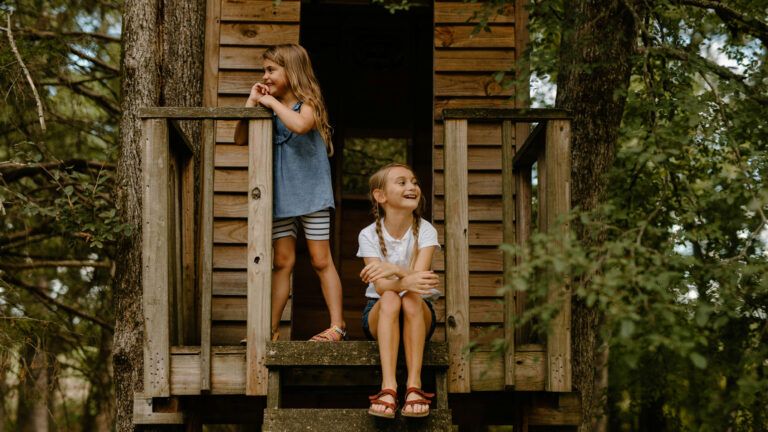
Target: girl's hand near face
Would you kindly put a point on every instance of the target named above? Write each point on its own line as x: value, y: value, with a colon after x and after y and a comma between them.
x: 421, y: 282
x: 268, y: 101
x: 258, y: 91
x: 378, y: 270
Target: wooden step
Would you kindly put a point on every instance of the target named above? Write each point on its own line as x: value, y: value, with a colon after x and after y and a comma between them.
x: 355, y: 353
x: 350, y: 420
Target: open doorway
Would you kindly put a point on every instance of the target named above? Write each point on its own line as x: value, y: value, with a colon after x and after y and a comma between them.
x: 375, y: 70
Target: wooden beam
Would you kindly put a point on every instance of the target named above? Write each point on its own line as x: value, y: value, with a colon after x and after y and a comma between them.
x: 508, y: 223
x: 144, y: 412
x: 200, y: 113
x: 205, y: 274
x: 557, y: 204
x: 353, y: 353
x: 457, y: 255
x: 522, y: 231
x: 528, y: 153
x: 189, y: 237
x: 529, y: 115
x: 155, y: 258
x: 211, y: 71
x: 259, y: 253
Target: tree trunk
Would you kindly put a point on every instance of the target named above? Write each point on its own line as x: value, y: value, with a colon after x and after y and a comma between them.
x: 595, y: 64
x: 162, y: 65
x: 32, y: 414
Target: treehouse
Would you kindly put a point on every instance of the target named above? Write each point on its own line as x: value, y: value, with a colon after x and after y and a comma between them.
x: 420, y: 82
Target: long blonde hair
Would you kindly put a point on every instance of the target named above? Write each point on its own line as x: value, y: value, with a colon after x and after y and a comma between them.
x: 303, y: 84
x: 379, y: 181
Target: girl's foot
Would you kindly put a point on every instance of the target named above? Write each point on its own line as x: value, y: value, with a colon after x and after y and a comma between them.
x: 383, y: 404
x: 331, y: 334
x: 416, y: 403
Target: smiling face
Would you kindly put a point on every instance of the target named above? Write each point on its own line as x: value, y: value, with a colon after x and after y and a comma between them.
x: 276, y: 79
x: 401, y: 190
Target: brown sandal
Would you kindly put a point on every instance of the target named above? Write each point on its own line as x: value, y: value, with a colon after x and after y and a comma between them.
x: 376, y: 400
x: 425, y: 400
x: 331, y: 334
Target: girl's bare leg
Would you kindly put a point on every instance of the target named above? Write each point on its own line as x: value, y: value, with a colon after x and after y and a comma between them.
x: 284, y: 259
x: 417, y: 319
x: 384, y: 324
x: 320, y: 253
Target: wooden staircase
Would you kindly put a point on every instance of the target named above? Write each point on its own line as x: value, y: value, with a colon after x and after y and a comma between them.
x: 282, y: 356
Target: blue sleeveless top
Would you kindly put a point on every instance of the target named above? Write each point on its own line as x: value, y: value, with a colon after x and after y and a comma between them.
x: 302, y: 173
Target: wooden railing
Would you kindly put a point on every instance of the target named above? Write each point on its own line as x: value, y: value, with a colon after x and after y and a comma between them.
x: 177, y: 249
x: 548, y: 146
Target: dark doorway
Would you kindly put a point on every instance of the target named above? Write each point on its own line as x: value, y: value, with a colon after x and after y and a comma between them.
x: 375, y: 70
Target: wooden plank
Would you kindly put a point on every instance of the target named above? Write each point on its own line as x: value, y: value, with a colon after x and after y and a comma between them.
x: 225, y: 132
x: 231, y: 180
x: 449, y: 60
x: 528, y: 153
x: 558, y: 411
x: 558, y: 203
x: 481, y: 311
x: 175, y: 296
x: 352, y: 353
x: 484, y: 134
x: 522, y: 232
x: 258, y: 34
x: 480, y: 208
x: 238, y: 82
x: 230, y: 231
x: 227, y: 371
x: 480, y: 234
x: 232, y: 332
x: 201, y: 113
x: 260, y: 10
x: 211, y: 61
x: 144, y: 412
x: 530, y: 368
x: 508, y: 223
x: 155, y: 258
x: 478, y: 183
x: 468, y: 102
x: 235, y: 308
x: 479, y: 259
x: 230, y: 205
x: 207, y: 162
x: 259, y: 253
x: 453, y: 84
x: 487, y: 371
x: 189, y: 235
x: 529, y: 115
x: 480, y: 284
x: 478, y: 158
x: 241, y: 57
x: 461, y: 36
x: 457, y: 259
x: 470, y: 13
x: 230, y: 101
x: 273, y: 394
x: 230, y: 283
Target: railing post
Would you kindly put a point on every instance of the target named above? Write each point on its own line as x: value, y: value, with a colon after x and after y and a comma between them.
x: 457, y: 255
x: 259, y: 253
x: 523, y: 195
x: 508, y: 220
x: 207, y: 154
x: 156, y: 274
x: 556, y: 203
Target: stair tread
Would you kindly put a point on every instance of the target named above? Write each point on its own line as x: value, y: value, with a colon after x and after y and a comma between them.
x: 352, y: 419
x: 355, y: 353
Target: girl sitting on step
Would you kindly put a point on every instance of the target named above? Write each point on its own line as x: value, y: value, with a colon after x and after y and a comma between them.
x: 397, y: 249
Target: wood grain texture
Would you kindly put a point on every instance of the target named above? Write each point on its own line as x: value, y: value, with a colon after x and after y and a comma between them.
x: 491, y: 61
x: 478, y: 134
x: 260, y: 10
x: 258, y: 34
x: 470, y: 13
x: 508, y: 223
x: 205, y: 262
x: 480, y: 209
x: 478, y: 158
x: 478, y: 183
x: 458, y: 36
x: 241, y: 57
x: 454, y: 84
x: 480, y: 234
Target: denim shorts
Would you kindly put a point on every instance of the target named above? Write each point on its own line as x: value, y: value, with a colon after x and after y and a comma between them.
x: 372, y: 301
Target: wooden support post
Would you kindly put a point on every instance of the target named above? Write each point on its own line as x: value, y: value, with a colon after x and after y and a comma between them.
x: 508, y: 220
x: 259, y: 253
x: 557, y: 202
x: 273, y: 395
x: 190, y: 292
x: 522, y: 235
x: 457, y: 256
x: 155, y: 257
x: 205, y: 275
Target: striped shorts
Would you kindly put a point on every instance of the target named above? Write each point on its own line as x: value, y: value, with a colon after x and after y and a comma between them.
x: 317, y: 226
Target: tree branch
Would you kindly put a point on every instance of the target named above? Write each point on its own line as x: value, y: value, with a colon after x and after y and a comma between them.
x: 55, y: 263
x: 57, y: 35
x: 750, y: 24
x: 16, y: 53
x: 12, y: 171
x: 94, y: 60
x: 10, y: 281
x: 100, y: 99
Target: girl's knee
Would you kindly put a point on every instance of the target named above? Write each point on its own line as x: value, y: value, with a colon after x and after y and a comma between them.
x: 390, y: 303
x: 320, y: 262
x: 284, y: 261
x: 412, y: 305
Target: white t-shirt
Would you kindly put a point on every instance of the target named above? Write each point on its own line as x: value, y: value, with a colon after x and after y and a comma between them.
x: 399, y: 251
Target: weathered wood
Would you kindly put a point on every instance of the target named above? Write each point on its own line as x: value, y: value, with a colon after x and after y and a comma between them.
x: 177, y: 135
x: 522, y: 231
x: 530, y: 115
x: 231, y: 156
x: 530, y: 367
x: 484, y: 134
x: 508, y: 222
x: 349, y: 420
x: 144, y: 414
x: 478, y: 158
x: 241, y: 57
x: 457, y: 255
x: 532, y: 146
x: 230, y: 205
x: 155, y: 258
x: 260, y: 10
x: 558, y: 204
x: 200, y: 113
x: 481, y: 284
x: 232, y: 332
x: 231, y: 180
x: 354, y: 353
x: 225, y: 130
x: 482, y: 84
x: 274, y: 393
x: 478, y: 183
x: 258, y: 34
x: 474, y: 60
x: 189, y: 315
x: 175, y: 300
x: 480, y: 208
x: 205, y: 274
x: 480, y: 234
x: 235, y: 308
x: 227, y: 371
x: 442, y: 103
x: 555, y: 410
x: 259, y: 252
x: 479, y: 259
x: 460, y: 36
x: 466, y: 13
x: 238, y: 82
x: 212, y: 47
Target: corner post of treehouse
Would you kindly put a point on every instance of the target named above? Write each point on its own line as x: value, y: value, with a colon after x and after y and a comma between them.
x: 259, y: 253
x: 457, y: 255
x: 155, y: 256
x: 508, y: 135
x: 207, y: 164
x: 557, y: 203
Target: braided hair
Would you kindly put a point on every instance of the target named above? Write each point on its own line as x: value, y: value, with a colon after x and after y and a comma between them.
x: 378, y: 181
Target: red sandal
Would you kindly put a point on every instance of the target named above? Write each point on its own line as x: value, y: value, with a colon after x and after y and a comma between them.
x: 425, y: 400
x: 376, y: 400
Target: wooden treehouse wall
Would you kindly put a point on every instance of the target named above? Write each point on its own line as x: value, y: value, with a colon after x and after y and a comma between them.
x: 237, y: 33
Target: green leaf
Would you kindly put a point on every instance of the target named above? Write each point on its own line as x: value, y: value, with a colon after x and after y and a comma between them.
x: 627, y: 329
x: 698, y: 360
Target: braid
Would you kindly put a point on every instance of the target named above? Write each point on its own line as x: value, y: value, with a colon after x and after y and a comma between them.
x: 415, y: 228
x: 379, y: 234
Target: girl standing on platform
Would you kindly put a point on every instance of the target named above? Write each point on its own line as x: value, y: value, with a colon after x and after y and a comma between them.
x: 398, y: 250
x: 302, y: 177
